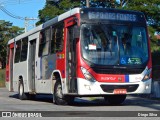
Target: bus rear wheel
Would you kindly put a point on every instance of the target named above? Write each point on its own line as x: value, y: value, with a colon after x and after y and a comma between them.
x: 115, y: 99
x: 21, y: 94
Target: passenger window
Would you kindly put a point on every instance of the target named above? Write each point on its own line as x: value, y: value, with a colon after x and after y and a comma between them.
x: 44, y: 42
x: 24, y: 50
x: 18, y: 51
x: 57, y: 38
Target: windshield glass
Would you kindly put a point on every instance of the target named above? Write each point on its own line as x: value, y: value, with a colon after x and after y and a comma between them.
x: 105, y: 44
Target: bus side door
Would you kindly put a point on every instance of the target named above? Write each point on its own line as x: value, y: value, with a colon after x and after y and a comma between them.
x: 71, y: 58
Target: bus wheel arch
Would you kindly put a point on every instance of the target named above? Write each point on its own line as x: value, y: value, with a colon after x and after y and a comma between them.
x: 55, y: 77
x: 58, y: 97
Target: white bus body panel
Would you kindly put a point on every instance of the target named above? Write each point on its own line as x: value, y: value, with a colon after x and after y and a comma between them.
x: 20, y: 69
x: 43, y: 86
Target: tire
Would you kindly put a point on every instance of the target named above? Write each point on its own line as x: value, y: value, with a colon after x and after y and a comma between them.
x: 21, y: 94
x: 58, y: 96
x: 115, y: 99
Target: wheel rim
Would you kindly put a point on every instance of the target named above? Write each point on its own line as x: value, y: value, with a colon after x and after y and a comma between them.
x: 21, y: 90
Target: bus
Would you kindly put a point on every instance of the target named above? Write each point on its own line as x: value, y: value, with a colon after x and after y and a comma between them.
x: 84, y: 52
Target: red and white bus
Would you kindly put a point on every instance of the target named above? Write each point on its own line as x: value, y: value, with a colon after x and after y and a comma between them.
x: 83, y: 52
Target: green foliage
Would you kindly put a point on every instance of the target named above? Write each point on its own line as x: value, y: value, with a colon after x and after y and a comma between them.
x: 100, y: 3
x: 2, y: 77
x: 154, y: 41
x: 6, y: 33
x: 151, y: 9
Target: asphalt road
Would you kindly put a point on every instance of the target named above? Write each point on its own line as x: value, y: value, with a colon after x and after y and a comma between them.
x: 86, y: 107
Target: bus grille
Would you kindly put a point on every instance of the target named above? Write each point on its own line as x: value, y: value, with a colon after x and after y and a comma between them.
x: 110, y: 88
x: 117, y: 70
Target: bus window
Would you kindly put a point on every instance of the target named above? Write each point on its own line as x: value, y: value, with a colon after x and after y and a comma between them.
x: 57, y: 38
x: 24, y: 49
x: 44, y: 42
x: 18, y: 51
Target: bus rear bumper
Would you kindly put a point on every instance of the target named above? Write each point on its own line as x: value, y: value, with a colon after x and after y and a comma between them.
x: 86, y: 87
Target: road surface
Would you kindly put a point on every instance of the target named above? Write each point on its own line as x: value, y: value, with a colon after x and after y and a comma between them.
x: 133, y: 106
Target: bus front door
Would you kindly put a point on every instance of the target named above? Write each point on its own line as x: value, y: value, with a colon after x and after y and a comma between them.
x: 11, y: 69
x: 71, y: 61
x: 31, y: 66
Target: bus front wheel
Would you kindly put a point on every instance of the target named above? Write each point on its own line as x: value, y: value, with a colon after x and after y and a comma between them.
x: 58, y: 96
x: 115, y: 99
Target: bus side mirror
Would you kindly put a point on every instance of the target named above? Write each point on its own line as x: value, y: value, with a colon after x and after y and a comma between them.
x: 76, y: 32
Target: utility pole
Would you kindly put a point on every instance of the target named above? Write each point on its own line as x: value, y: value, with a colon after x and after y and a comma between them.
x: 87, y: 3
x: 26, y: 24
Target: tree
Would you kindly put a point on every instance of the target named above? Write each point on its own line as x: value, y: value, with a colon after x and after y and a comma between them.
x: 100, y: 3
x: 7, y: 31
x: 121, y: 3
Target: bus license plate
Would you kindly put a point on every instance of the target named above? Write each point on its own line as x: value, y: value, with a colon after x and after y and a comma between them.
x: 120, y: 91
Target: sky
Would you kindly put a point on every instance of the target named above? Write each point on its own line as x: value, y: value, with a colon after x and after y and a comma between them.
x: 21, y: 8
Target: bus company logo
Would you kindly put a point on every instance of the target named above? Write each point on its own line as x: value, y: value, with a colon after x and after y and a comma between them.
x: 108, y: 78
x: 119, y: 79
x: 6, y: 114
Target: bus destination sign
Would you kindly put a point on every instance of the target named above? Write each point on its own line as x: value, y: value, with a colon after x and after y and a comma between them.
x: 112, y: 16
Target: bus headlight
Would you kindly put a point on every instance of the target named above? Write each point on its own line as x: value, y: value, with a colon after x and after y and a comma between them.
x: 147, y: 75
x: 87, y: 75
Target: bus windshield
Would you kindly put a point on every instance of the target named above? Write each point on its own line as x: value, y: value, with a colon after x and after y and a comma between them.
x: 106, y: 44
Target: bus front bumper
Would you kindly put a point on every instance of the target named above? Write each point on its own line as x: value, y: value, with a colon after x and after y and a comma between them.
x: 86, y: 87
